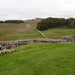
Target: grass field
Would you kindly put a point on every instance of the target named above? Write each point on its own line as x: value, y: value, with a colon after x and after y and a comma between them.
x: 51, y: 33
x: 58, y: 32
x: 24, y: 35
x: 37, y: 58
x: 40, y: 59
x: 8, y: 29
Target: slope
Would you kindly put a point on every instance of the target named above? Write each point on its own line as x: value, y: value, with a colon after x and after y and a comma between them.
x: 8, y: 29
x: 40, y: 59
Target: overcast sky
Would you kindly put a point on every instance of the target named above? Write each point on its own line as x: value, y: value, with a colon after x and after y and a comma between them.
x: 30, y: 9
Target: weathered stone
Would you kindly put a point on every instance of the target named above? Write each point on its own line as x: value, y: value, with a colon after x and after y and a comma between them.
x: 8, y: 51
x: 72, y: 36
x: 69, y: 39
x: 3, y: 52
x: 11, y: 44
x: 0, y: 53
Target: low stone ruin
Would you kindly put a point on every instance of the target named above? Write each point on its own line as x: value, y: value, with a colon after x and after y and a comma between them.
x: 46, y: 40
x: 11, y: 44
x: 41, y: 33
x: 4, y: 51
x: 70, y: 38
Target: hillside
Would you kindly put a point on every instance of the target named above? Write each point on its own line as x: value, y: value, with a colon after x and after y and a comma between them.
x: 27, y: 30
x: 37, y: 58
x: 40, y: 59
x: 7, y: 29
x: 55, y: 33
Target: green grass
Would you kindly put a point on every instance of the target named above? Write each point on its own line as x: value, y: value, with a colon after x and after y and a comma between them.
x: 24, y: 35
x: 40, y: 59
x: 58, y: 32
x: 51, y: 33
x: 9, y: 29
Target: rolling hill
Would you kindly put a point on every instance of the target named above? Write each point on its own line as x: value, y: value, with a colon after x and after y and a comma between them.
x: 37, y: 58
x: 7, y: 29
x: 55, y: 33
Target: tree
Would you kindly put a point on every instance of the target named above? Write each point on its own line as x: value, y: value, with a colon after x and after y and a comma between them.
x: 1, y: 21
x: 50, y: 22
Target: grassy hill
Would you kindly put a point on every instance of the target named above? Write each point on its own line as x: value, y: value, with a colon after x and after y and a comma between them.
x: 56, y: 33
x: 37, y: 58
x: 8, y: 29
x: 31, y: 34
x: 12, y: 31
x: 40, y: 59
x: 51, y: 33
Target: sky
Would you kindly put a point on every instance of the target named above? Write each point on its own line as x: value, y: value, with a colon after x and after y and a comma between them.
x: 30, y: 9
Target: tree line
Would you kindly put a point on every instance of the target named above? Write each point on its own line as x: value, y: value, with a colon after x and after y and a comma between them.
x: 50, y: 22
x: 12, y: 21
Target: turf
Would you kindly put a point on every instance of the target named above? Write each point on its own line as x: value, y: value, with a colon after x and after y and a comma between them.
x: 51, y: 33
x: 40, y: 59
x: 31, y: 34
x: 58, y: 32
x: 9, y: 29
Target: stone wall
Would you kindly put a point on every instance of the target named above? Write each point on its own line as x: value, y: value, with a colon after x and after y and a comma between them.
x: 4, y: 51
x: 70, y: 38
x: 46, y: 40
x: 41, y: 33
x: 10, y: 44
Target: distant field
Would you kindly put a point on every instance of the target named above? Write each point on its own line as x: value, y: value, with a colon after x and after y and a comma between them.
x: 58, y: 32
x: 37, y: 58
x: 31, y: 34
x: 40, y: 59
x: 7, y: 29
x: 51, y: 33
x: 10, y: 31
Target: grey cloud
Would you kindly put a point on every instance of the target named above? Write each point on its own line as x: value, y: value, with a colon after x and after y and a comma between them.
x: 28, y: 9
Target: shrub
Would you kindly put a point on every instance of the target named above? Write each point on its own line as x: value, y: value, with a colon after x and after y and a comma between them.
x: 55, y: 23
x: 14, y: 21
x: 1, y: 21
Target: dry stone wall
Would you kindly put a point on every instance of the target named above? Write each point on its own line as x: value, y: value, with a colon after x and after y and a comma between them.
x: 46, y: 40
x: 10, y: 44
x: 41, y: 33
x: 4, y: 51
x: 70, y: 38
